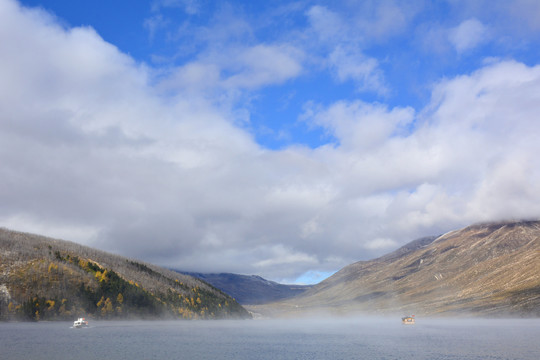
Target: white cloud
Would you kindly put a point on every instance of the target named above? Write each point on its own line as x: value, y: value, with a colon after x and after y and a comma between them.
x: 263, y: 65
x: 345, y: 57
x: 155, y: 23
x: 92, y: 149
x: 380, y: 244
x: 194, y: 77
x: 234, y: 70
x: 361, y: 22
x: 278, y: 255
x: 73, y: 232
x: 363, y: 70
x: 327, y: 24
x: 362, y: 126
x: 511, y: 190
x: 380, y: 20
x: 468, y: 35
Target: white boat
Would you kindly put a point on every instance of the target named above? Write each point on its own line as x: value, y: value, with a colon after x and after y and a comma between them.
x: 80, y: 322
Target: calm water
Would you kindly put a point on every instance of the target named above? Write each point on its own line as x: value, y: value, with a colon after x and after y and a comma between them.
x: 273, y: 339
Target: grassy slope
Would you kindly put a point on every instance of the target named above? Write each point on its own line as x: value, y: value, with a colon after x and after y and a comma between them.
x: 486, y: 270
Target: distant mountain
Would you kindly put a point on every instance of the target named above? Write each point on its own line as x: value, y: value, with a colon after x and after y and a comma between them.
x: 483, y: 270
x: 250, y: 289
x: 48, y: 279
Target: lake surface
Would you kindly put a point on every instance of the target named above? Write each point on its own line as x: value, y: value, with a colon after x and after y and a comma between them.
x: 274, y: 339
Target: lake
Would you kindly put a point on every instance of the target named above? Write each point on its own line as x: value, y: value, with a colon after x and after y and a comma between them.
x: 353, y: 338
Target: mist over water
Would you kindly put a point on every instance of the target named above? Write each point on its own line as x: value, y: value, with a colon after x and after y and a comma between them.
x: 329, y: 338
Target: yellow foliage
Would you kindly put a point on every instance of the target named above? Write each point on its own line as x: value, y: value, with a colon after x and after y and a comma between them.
x: 52, y: 266
x: 101, y: 276
x: 187, y: 314
x: 50, y: 303
x: 120, y: 298
x: 107, y: 307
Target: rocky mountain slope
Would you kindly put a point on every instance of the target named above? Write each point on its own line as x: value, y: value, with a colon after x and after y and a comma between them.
x: 251, y: 289
x: 47, y: 279
x: 483, y: 270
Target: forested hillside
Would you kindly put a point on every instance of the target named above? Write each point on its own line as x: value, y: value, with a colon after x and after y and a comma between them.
x: 47, y: 279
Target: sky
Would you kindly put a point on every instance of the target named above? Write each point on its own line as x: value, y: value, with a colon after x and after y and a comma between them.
x: 285, y: 139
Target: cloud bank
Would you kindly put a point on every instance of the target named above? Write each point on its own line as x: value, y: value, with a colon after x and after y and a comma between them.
x: 101, y: 149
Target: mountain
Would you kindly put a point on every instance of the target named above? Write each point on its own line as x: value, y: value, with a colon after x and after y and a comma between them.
x: 250, y: 289
x: 49, y: 279
x: 482, y: 270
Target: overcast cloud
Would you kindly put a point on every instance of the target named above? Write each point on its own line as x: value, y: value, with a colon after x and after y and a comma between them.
x: 161, y: 163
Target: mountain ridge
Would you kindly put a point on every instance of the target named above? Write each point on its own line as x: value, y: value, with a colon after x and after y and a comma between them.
x: 250, y: 289
x: 485, y: 269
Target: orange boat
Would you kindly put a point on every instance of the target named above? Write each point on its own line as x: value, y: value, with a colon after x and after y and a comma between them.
x: 407, y: 320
